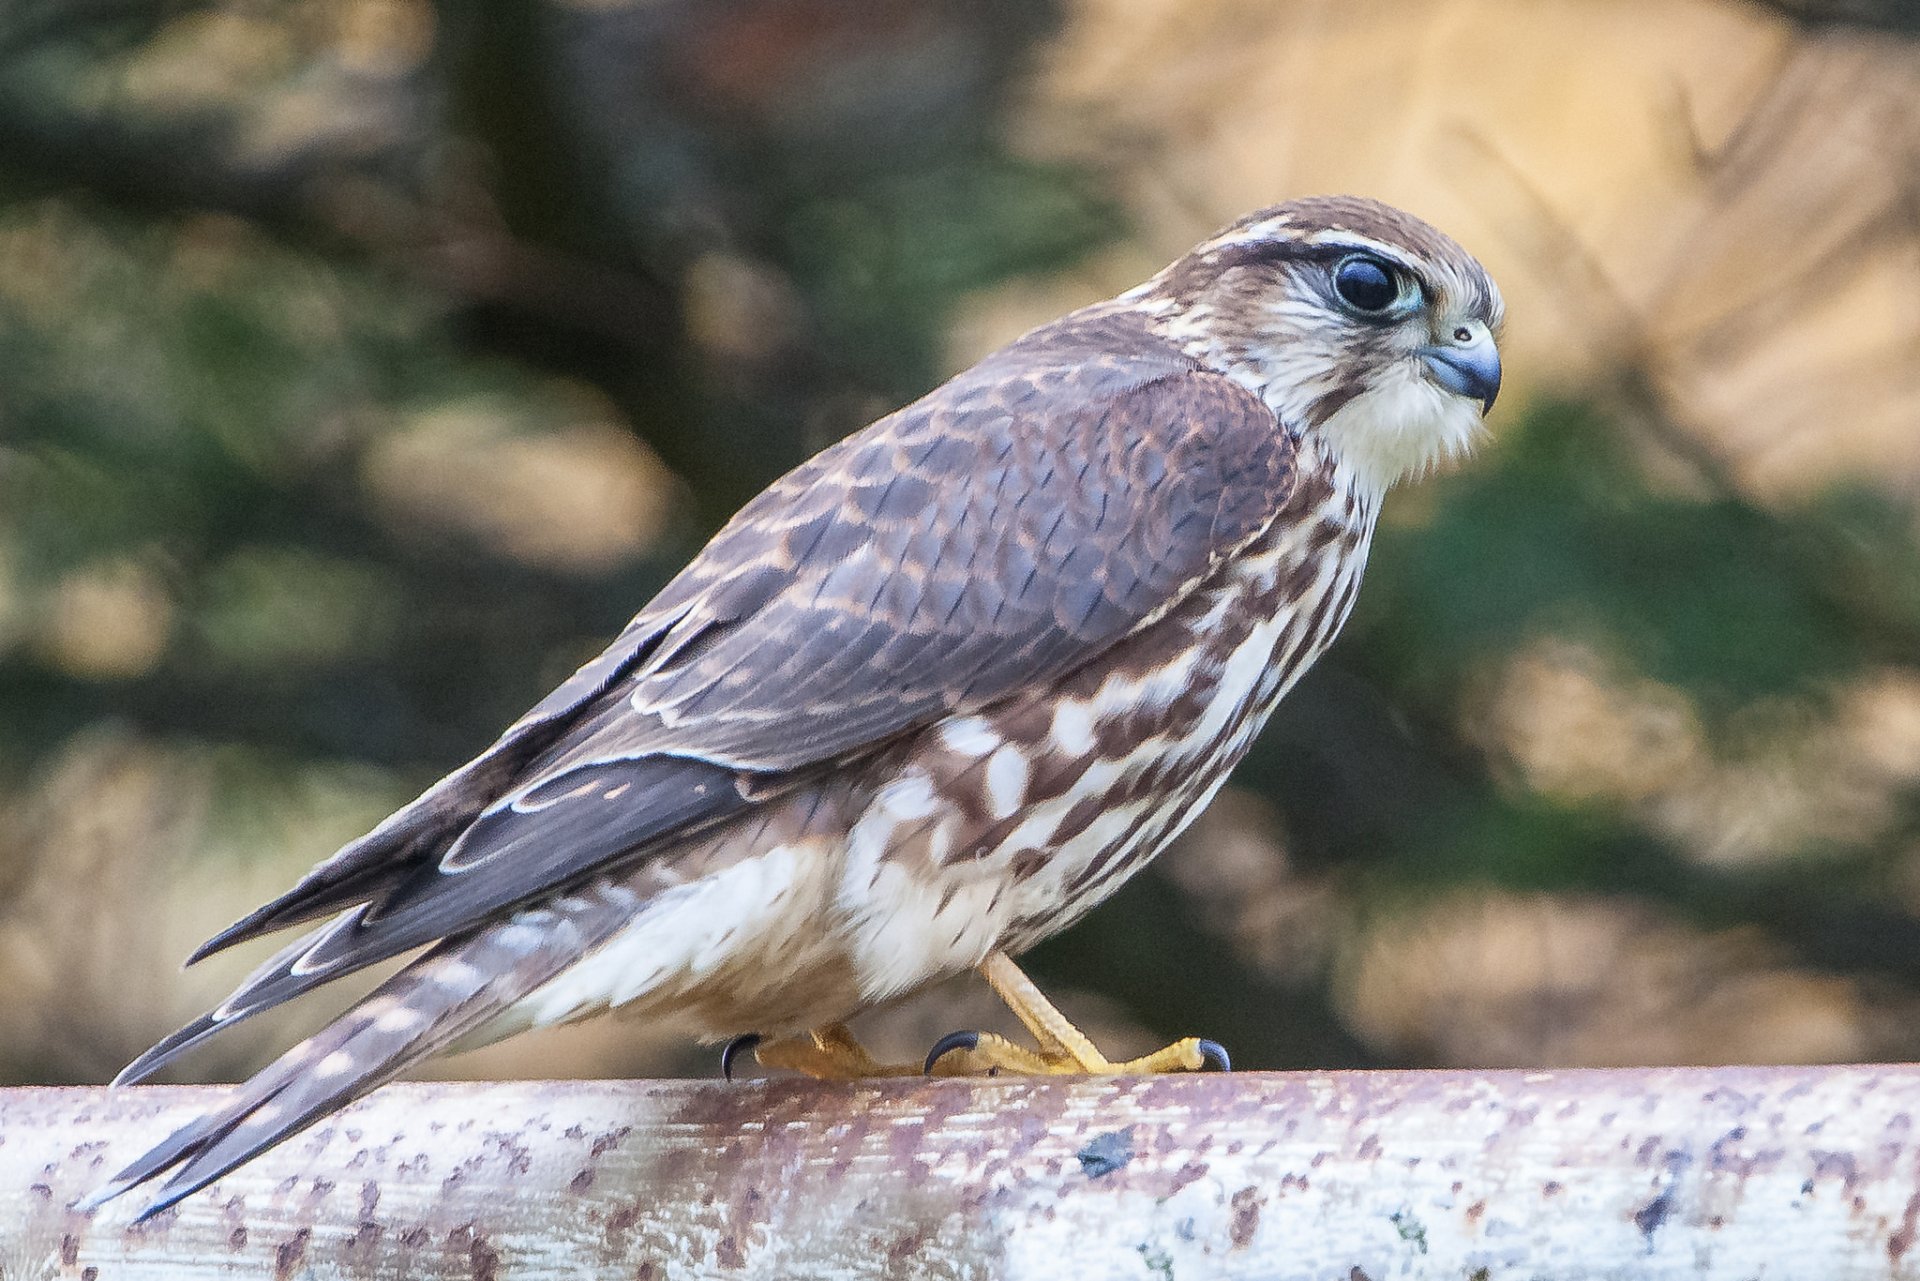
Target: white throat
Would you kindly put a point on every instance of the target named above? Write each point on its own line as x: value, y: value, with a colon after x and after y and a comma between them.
x: 1401, y: 427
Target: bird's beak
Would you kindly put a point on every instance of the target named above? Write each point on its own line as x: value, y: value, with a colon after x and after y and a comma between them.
x: 1467, y: 365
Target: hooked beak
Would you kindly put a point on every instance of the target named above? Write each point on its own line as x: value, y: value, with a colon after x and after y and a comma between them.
x: 1467, y: 366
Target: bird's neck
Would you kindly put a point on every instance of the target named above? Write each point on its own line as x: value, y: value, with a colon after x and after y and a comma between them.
x: 1397, y: 427
x: 1359, y: 482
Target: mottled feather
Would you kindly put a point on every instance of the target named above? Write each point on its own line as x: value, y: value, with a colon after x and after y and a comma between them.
x: 992, y: 536
x: 934, y: 692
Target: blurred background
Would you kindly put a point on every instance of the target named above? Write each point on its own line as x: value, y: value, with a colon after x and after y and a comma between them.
x: 365, y: 363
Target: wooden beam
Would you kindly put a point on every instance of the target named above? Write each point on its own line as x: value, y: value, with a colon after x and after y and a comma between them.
x: 1698, y: 1173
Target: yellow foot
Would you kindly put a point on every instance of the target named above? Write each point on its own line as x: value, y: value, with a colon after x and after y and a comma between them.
x: 1063, y: 1048
x: 829, y: 1054
x: 978, y: 1053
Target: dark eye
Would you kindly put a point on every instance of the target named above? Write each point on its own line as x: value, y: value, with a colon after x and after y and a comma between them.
x: 1365, y: 284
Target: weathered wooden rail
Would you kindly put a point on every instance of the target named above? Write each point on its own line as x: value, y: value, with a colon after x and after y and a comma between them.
x: 1738, y: 1173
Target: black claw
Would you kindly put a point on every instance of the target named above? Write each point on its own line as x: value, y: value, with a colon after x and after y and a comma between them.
x: 1215, y: 1053
x: 745, y: 1041
x: 947, y: 1044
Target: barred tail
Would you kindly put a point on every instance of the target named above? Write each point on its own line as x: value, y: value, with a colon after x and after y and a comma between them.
x: 452, y: 991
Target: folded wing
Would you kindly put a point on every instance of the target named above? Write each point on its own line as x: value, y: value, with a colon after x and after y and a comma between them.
x: 989, y: 538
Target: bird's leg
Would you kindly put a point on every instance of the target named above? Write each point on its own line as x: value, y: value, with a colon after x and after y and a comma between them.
x: 1064, y: 1048
x: 1060, y: 1041
x: 829, y: 1054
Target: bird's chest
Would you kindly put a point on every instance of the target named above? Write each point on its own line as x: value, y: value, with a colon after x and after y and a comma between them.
x: 1002, y: 827
x: 1272, y: 613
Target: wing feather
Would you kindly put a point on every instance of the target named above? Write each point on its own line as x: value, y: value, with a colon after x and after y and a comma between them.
x: 991, y: 537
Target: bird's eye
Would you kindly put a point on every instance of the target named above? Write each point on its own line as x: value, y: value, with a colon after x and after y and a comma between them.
x: 1365, y: 284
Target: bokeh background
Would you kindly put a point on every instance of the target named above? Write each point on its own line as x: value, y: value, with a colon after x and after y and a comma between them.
x: 365, y: 363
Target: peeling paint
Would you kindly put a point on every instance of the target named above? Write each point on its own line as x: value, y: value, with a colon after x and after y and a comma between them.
x: 1246, y: 1205
x: 1901, y: 1240
x: 1411, y: 1230
x: 1106, y: 1153
x: 1669, y: 1173
x: 1650, y: 1217
x: 1158, y: 1261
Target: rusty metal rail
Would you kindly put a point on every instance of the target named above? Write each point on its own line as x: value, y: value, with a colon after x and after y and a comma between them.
x: 1738, y: 1172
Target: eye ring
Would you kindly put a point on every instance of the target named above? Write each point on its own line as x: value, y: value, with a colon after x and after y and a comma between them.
x: 1368, y: 285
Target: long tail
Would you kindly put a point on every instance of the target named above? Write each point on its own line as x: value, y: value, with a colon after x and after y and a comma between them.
x: 453, y: 990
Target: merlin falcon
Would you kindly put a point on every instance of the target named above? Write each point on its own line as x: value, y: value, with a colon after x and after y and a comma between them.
x: 922, y: 703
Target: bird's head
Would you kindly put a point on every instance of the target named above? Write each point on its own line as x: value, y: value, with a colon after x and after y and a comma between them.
x: 1363, y: 327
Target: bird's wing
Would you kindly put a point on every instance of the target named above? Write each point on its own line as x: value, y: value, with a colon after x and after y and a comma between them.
x: 989, y: 538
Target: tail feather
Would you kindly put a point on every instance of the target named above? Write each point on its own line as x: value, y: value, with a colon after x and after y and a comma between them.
x: 311, y: 899
x: 279, y: 980
x: 451, y: 991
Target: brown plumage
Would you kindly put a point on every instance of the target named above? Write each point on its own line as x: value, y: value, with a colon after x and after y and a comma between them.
x: 932, y: 694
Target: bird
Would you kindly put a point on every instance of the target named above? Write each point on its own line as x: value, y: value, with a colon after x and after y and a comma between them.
x: 922, y: 703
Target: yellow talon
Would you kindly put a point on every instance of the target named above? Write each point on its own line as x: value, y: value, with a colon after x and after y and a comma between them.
x: 1064, y: 1049
x: 832, y: 1054
x: 828, y: 1054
